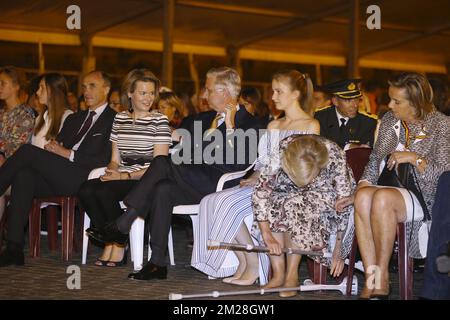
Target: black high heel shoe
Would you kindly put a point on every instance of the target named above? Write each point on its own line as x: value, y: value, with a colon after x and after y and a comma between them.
x: 109, y: 234
x: 123, y: 262
x: 100, y: 263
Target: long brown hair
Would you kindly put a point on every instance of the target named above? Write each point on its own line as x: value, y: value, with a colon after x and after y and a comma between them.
x: 301, y: 82
x: 56, y: 104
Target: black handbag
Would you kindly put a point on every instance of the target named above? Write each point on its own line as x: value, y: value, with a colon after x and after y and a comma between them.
x: 403, y: 177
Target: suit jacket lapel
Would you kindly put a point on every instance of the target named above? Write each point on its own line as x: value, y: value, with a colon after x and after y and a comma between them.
x: 100, y: 119
x: 77, y: 127
x: 98, y: 124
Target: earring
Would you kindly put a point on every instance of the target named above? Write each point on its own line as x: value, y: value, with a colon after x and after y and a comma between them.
x: 130, y: 109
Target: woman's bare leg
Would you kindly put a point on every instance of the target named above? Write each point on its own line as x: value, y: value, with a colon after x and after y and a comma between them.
x: 241, y: 268
x: 250, y: 271
x: 117, y: 253
x: 388, y: 209
x: 106, y: 254
x: 363, y: 229
x: 293, y: 260
x: 278, y: 265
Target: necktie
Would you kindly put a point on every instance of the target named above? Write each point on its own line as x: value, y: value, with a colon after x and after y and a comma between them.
x: 214, y: 124
x: 342, y: 127
x: 86, y: 125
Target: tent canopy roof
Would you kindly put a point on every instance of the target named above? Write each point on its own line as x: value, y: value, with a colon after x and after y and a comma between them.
x: 414, y: 35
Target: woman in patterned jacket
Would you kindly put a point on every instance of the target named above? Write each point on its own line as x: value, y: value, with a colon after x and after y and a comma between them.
x: 16, y: 118
x: 412, y: 132
x: 296, y: 207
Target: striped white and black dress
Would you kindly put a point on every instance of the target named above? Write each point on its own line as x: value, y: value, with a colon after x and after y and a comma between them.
x: 135, y: 139
x: 222, y: 213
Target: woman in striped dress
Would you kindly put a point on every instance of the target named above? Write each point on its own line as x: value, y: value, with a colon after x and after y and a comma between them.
x: 222, y: 214
x: 138, y: 135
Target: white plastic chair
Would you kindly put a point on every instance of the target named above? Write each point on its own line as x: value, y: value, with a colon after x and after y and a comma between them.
x: 136, y: 234
x: 192, y: 210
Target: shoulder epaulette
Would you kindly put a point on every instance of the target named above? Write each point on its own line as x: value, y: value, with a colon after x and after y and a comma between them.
x: 323, y: 108
x: 370, y: 115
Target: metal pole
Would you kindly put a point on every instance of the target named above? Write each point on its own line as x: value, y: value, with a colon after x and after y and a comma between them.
x: 167, y: 72
x: 353, y: 48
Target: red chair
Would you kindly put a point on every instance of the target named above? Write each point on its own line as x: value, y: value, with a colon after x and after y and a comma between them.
x: 405, y: 265
x: 67, y: 205
x: 357, y: 159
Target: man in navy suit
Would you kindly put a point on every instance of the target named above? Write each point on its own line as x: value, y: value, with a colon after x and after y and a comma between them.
x: 82, y: 145
x: 167, y: 184
x: 342, y: 122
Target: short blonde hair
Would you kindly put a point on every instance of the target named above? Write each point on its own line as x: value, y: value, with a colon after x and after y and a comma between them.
x: 303, y: 159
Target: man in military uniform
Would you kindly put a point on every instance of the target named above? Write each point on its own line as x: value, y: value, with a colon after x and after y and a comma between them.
x: 341, y: 122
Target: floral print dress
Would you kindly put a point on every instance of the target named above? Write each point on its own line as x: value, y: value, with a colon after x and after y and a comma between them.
x: 16, y: 128
x: 308, y: 213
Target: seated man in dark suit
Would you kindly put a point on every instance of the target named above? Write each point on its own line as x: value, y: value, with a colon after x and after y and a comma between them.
x: 167, y: 184
x: 341, y: 122
x: 436, y: 277
x: 82, y: 145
